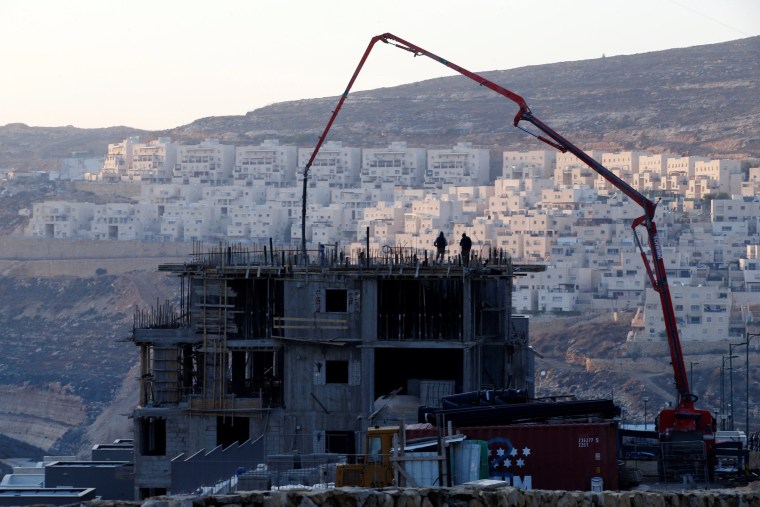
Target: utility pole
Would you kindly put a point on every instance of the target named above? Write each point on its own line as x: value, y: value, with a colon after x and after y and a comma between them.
x: 746, y: 394
x: 723, y: 393
x: 731, y: 377
x: 691, y: 373
x: 645, y: 400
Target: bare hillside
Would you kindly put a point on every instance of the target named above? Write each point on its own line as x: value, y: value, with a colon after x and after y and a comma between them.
x: 588, y: 356
x: 67, y: 375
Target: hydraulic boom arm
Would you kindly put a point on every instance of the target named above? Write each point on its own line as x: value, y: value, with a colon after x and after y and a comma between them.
x: 655, y: 268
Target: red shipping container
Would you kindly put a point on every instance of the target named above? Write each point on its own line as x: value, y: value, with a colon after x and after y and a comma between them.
x: 551, y: 456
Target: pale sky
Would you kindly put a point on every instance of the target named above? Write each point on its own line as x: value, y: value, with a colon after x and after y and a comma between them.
x: 156, y: 64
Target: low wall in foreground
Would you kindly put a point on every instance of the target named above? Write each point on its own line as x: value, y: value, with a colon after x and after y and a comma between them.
x: 465, y: 496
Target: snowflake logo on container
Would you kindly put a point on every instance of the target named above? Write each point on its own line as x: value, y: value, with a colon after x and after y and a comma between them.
x: 504, y: 457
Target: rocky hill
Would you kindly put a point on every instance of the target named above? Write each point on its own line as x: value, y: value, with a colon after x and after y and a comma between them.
x: 68, y: 374
x: 700, y: 100
x: 589, y: 357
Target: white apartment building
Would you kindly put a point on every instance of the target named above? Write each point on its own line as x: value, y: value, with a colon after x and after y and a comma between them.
x: 172, y: 223
x: 729, y: 247
x: 435, y: 207
x: 700, y: 186
x: 751, y: 187
x: 152, y: 162
x: 698, y: 243
x: 118, y: 159
x: 574, y: 176
x: 354, y: 201
x: 335, y: 166
x: 652, y: 169
x: 683, y: 166
x: 624, y: 280
x: 290, y: 199
x: 554, y: 290
x: 60, y: 219
x: 558, y: 290
x: 725, y: 173
x: 328, y: 225
x: 170, y: 193
x: 569, y: 170
x: 240, y: 220
x: 592, y: 232
x: 497, y: 207
x: 461, y: 165
x: 268, y: 164
x: 293, y: 209
x: 540, y: 231
x: 749, y: 264
x: 473, y: 200
x: 568, y: 253
x: 258, y: 224
x: 384, y: 223
x: 702, y: 314
x: 512, y: 237
x: 268, y: 222
x: 538, y: 164
x: 224, y: 197
x: 124, y: 222
x: 208, y: 163
x: 736, y: 209
x: 200, y: 222
x: 77, y: 168
x: 617, y: 207
x: 524, y: 295
x: 624, y: 165
x: 565, y: 198
x: 483, y: 233
x: 648, y: 181
x: 395, y: 165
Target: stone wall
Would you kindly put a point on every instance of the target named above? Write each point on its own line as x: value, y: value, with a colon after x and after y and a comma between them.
x: 462, y: 496
x: 44, y: 258
x: 16, y: 248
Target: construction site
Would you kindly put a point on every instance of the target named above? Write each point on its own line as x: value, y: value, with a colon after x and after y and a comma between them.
x: 274, y: 356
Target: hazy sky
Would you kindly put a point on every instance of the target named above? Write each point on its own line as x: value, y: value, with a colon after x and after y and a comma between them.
x: 157, y: 64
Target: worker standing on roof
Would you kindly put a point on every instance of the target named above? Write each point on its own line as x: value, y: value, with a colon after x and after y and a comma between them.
x: 466, y: 244
x: 440, y: 243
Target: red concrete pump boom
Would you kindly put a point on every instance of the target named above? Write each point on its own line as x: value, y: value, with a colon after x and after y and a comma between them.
x: 684, y: 417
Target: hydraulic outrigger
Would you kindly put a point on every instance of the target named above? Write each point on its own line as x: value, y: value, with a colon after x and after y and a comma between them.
x: 682, y: 423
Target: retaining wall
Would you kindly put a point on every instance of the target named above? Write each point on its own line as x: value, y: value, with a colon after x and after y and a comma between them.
x: 462, y: 496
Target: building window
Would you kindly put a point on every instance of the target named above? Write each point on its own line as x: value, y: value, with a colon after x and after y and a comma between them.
x: 153, y: 436
x: 336, y: 372
x: 336, y: 300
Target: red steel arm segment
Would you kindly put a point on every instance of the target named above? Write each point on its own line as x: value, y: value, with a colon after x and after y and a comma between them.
x: 657, y: 275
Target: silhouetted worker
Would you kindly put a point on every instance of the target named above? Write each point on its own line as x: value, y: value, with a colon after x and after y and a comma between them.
x: 466, y: 244
x: 440, y: 243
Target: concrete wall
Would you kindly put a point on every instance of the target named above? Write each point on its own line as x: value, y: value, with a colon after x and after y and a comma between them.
x: 33, y: 257
x: 13, y: 248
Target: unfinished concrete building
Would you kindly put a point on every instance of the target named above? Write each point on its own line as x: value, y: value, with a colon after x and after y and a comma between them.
x: 263, y: 355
